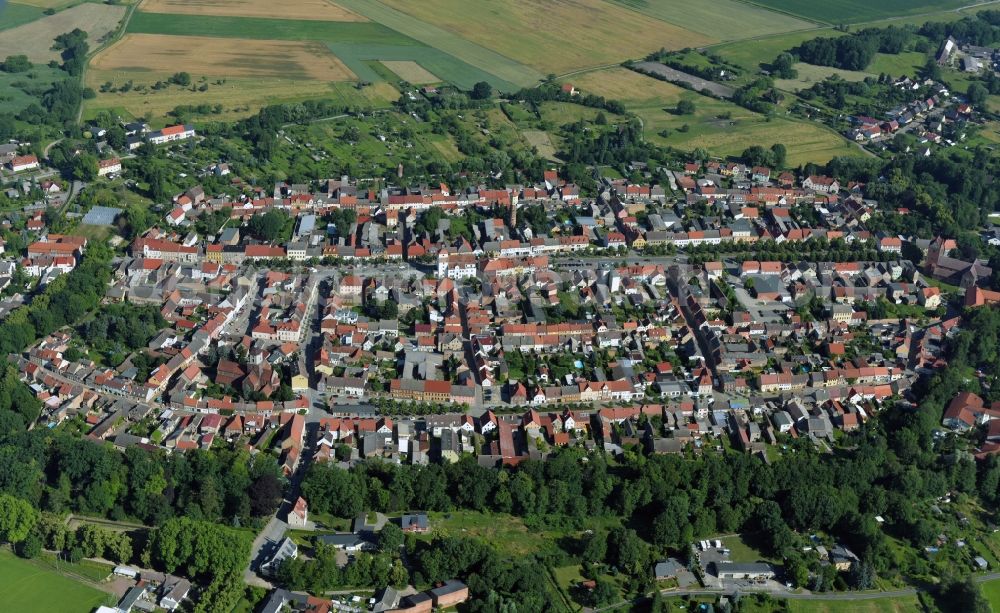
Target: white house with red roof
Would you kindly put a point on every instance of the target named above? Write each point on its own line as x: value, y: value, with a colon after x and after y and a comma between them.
x: 171, y: 134
x: 21, y: 163
x: 109, y: 167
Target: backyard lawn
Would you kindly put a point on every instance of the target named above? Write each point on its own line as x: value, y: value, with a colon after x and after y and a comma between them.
x: 741, y: 551
x: 991, y: 590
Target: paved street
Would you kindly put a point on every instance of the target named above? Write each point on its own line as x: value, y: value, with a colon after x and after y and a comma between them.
x: 268, y: 538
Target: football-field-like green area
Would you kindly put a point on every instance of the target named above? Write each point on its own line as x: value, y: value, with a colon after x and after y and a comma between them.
x: 32, y: 589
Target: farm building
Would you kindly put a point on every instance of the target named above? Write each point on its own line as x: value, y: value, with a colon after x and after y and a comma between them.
x: 737, y: 570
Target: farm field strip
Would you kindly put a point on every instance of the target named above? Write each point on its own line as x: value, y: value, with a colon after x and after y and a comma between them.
x: 319, y: 10
x: 723, y: 19
x: 440, y: 38
x: 353, y: 42
x: 860, y: 11
x: 360, y: 33
x: 585, y: 33
x: 222, y: 57
x: 357, y: 58
x: 15, y: 14
x: 411, y: 71
x: 47, y: 4
x: 35, y: 39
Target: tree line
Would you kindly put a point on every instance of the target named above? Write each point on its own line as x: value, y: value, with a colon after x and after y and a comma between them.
x: 58, y: 473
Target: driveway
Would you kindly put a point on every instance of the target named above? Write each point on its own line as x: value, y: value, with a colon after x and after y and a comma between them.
x: 263, y: 545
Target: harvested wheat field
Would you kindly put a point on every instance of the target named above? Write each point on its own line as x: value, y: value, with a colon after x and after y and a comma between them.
x: 411, y: 72
x: 318, y: 10
x: 549, y: 35
x: 146, y: 54
x: 35, y: 39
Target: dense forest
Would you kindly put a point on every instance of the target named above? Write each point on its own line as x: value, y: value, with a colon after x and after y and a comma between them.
x: 854, y: 52
x: 119, y: 329
x: 59, y: 473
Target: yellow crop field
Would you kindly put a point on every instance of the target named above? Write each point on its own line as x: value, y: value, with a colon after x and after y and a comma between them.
x: 553, y: 35
x: 319, y: 10
x: 411, y: 72
x: 628, y: 86
x: 150, y: 54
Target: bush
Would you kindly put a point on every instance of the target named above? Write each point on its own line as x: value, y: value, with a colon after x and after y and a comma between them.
x: 30, y: 547
x: 686, y: 107
x: 16, y: 63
